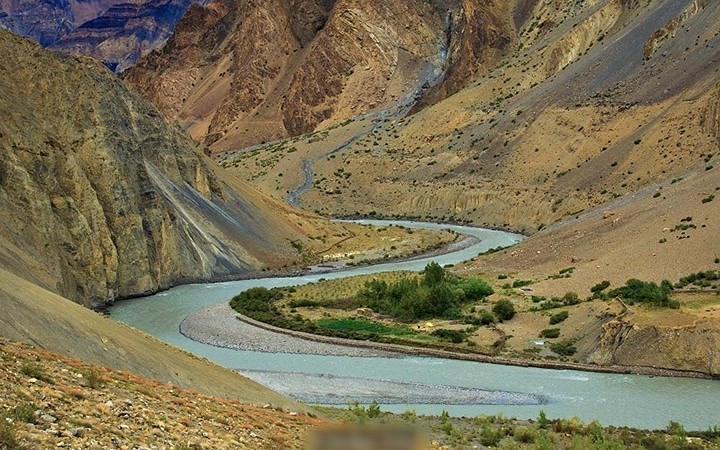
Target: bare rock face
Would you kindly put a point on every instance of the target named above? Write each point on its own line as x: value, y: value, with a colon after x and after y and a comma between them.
x: 125, y: 32
x: 237, y: 73
x: 100, y: 198
x: 47, y: 21
x: 117, y: 32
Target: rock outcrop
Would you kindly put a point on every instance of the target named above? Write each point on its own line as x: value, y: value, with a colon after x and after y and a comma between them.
x: 101, y: 198
x: 692, y: 349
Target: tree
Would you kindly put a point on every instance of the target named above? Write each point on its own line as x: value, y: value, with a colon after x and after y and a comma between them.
x: 504, y: 310
x: 440, y: 299
x: 474, y: 289
x: 433, y: 274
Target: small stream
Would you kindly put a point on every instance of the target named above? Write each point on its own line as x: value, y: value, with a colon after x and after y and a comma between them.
x: 479, y: 388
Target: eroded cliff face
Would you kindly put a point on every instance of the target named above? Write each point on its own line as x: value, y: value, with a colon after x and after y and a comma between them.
x: 692, y: 348
x: 237, y: 73
x: 100, y: 198
x: 479, y: 34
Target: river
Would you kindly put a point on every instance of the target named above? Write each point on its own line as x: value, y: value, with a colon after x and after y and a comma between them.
x: 613, y: 399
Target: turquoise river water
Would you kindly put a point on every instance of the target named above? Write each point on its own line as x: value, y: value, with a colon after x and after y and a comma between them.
x: 613, y: 399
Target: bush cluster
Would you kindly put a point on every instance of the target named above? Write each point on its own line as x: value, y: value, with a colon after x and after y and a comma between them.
x: 646, y: 292
x: 435, y: 294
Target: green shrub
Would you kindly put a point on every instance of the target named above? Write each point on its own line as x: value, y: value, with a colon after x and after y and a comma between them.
x: 542, y: 420
x: 559, y: 317
x: 454, y: 336
x: 490, y: 436
x: 504, y: 309
x: 24, y: 412
x: 645, y: 292
x: 521, y: 283
x: 475, y: 289
x: 600, y: 287
x: 550, y: 333
x: 8, y: 440
x: 92, y: 378
x: 525, y: 435
x: 570, y: 298
x: 304, y: 303
x: 564, y: 348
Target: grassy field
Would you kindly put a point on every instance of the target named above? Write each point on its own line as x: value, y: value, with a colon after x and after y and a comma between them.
x: 364, y: 326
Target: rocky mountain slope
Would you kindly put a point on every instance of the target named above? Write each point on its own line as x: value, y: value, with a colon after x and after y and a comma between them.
x: 113, y: 31
x: 102, y: 199
x: 594, y: 130
x: 574, y: 116
x: 238, y: 73
x: 125, y: 32
x: 44, y: 319
x: 48, y: 21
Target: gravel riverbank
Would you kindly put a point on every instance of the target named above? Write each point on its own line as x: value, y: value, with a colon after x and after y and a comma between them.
x: 218, y: 325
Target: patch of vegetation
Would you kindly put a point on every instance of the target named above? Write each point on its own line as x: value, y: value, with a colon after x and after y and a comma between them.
x: 258, y: 303
x: 700, y: 279
x: 600, y: 287
x: 23, y: 412
x: 569, y: 299
x: 35, y: 371
x: 550, y: 333
x: 541, y: 433
x: 454, y: 336
x: 435, y: 294
x: 504, y: 310
x: 564, y: 348
x: 8, y: 439
x: 559, y: 317
x: 646, y: 292
x: 362, y: 326
x: 521, y: 283
x: 92, y: 378
x: 304, y: 303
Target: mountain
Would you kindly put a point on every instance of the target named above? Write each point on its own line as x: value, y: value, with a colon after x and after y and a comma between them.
x: 125, y: 32
x: 587, y: 102
x: 101, y: 198
x: 47, y: 21
x: 237, y: 73
x: 594, y: 130
x: 115, y: 32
